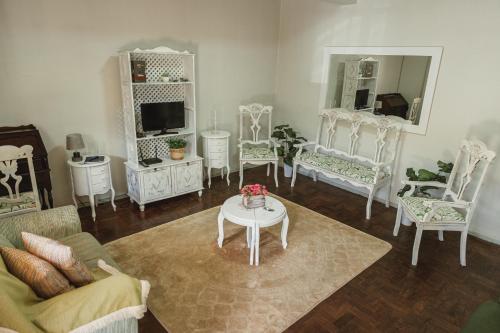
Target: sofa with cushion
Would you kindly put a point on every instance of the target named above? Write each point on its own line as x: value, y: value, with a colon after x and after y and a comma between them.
x: 112, y: 303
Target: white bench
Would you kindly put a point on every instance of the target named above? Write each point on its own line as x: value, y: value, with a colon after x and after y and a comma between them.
x: 372, y: 173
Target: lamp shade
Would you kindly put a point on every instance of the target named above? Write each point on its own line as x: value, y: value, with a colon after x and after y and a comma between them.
x: 74, y: 141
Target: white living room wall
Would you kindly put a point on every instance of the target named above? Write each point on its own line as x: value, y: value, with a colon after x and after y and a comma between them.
x: 59, y: 70
x: 463, y: 105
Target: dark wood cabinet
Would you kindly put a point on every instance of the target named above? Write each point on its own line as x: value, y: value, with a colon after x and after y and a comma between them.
x: 28, y: 135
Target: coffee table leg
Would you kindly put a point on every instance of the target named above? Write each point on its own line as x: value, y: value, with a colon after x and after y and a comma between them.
x: 249, y: 236
x: 220, y: 221
x: 257, y: 242
x: 284, y: 231
x: 252, y: 245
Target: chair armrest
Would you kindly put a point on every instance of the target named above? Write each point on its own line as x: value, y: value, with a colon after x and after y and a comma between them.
x: 54, y: 223
x: 301, y: 145
x: 420, y: 183
x: 413, y: 185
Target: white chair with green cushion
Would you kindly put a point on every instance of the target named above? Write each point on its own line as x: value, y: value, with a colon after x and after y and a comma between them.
x: 259, y: 149
x: 453, y: 211
x: 111, y: 304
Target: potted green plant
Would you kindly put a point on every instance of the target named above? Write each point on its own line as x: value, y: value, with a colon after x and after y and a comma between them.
x: 176, y: 147
x: 287, y: 137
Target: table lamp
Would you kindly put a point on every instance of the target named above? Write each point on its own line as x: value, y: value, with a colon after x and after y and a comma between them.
x: 74, y: 142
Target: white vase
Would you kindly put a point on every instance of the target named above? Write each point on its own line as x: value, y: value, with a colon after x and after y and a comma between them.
x: 288, y: 170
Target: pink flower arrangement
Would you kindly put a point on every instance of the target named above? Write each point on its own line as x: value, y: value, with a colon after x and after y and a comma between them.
x: 254, y: 190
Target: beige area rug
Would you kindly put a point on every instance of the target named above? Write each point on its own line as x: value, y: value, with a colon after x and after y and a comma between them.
x: 197, y: 287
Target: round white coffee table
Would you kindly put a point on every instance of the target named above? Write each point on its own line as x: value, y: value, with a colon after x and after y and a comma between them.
x: 254, y: 219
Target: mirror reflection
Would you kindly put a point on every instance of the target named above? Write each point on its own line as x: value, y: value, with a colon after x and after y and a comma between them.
x: 382, y: 84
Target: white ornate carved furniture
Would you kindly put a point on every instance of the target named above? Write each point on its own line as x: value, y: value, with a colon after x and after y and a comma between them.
x: 253, y: 219
x: 17, y: 202
x: 352, y: 165
x: 91, y: 179
x: 257, y: 151
x: 453, y: 211
x: 216, y: 153
x: 169, y: 178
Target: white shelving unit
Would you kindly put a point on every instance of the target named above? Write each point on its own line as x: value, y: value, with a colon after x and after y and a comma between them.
x: 354, y: 81
x: 170, y: 177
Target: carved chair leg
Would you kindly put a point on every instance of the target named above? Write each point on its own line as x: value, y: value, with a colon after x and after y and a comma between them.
x: 440, y: 235
x: 241, y: 175
x: 369, y: 204
x: 294, y: 174
x: 388, y: 195
x: 275, y: 172
x: 416, y: 245
x: 399, y: 216
x: 315, y: 176
x: 463, y: 247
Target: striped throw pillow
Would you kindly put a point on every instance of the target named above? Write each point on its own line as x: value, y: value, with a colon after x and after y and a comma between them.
x: 40, y: 275
x: 59, y: 255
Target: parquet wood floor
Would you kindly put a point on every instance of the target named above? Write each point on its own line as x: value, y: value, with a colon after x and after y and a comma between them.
x: 390, y: 296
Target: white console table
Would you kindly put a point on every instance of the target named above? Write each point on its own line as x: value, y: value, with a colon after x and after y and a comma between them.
x: 91, y: 179
x: 216, y: 152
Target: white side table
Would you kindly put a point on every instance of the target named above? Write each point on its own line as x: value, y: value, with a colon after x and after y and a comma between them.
x: 216, y: 152
x: 91, y: 179
x: 254, y: 219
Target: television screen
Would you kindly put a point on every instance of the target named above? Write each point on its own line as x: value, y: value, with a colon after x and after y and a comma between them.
x: 361, y: 98
x: 162, y: 116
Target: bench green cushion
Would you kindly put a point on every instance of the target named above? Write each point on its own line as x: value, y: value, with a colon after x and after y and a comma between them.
x: 419, y: 206
x: 26, y: 201
x: 349, y: 169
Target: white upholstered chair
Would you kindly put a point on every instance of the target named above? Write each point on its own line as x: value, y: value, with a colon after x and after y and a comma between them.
x: 17, y: 202
x: 259, y: 149
x: 414, y: 110
x: 453, y: 211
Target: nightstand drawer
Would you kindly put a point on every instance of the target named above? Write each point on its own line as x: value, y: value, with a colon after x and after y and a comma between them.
x: 218, y: 163
x: 99, y: 179
x: 100, y: 188
x: 217, y: 142
x: 99, y: 170
x: 217, y: 149
x: 218, y: 156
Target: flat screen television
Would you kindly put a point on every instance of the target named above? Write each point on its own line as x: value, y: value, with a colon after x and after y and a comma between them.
x: 361, y: 98
x: 162, y: 116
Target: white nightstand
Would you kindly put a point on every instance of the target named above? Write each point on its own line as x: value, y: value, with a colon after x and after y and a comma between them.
x: 91, y: 179
x: 216, y: 152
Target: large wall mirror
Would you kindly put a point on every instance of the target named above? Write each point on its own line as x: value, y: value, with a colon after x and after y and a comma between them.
x: 391, y: 81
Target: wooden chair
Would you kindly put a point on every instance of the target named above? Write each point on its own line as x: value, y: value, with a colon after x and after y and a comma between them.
x: 17, y: 202
x: 257, y: 151
x: 412, y: 116
x: 453, y: 211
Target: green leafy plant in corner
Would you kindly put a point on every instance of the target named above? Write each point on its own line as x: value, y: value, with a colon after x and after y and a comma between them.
x: 287, y: 137
x: 176, y: 143
x: 424, y: 175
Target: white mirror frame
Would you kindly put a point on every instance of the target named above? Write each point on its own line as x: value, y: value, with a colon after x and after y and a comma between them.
x: 435, y: 52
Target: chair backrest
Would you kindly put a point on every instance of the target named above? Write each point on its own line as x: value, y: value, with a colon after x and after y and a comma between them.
x: 414, y: 110
x: 256, y: 113
x: 9, y: 156
x: 469, y: 170
x: 384, y: 145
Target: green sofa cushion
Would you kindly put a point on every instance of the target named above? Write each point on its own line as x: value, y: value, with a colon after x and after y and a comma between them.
x: 88, y: 249
x: 485, y: 319
x: 86, y: 304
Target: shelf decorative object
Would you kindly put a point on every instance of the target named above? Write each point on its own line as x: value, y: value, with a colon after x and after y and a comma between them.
x: 254, y: 196
x: 171, y: 177
x: 177, y: 147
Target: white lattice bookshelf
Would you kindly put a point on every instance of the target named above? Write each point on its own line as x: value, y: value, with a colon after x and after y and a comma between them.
x: 181, y: 71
